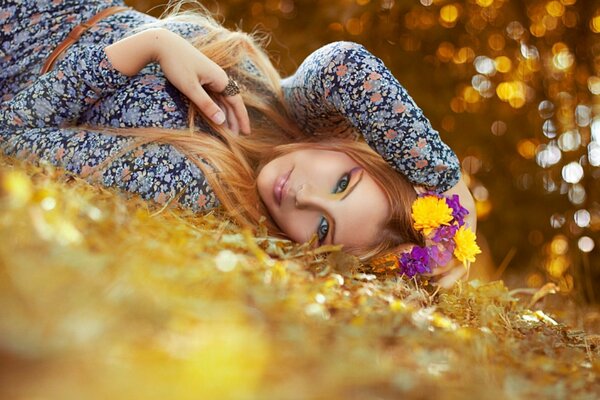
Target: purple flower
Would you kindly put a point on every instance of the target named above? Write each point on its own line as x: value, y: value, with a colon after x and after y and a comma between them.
x: 415, y: 262
x: 444, y: 234
x: 441, y: 254
x: 458, y: 212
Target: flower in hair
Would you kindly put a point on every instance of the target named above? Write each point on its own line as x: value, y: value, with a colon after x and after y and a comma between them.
x: 466, y: 247
x: 458, y: 211
x: 441, y: 220
x: 429, y: 212
x: 415, y: 262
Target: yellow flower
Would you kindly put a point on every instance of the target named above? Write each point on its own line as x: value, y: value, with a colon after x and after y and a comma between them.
x: 430, y: 212
x: 466, y: 247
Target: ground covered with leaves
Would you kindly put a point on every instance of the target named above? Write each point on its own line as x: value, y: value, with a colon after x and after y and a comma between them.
x: 102, y: 296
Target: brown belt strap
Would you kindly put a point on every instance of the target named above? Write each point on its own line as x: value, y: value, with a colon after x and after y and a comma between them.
x: 76, y: 33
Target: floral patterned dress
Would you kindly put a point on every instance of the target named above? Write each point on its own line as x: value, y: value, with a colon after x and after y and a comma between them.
x: 339, y: 86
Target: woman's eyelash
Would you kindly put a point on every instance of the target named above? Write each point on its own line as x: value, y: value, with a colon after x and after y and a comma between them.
x: 342, y: 183
x: 322, y: 230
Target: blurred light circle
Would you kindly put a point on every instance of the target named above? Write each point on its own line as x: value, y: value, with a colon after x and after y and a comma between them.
x: 477, y: 80
x: 569, y: 141
x: 471, y: 164
x: 594, y: 153
x: 546, y: 109
x: 448, y: 14
x: 576, y: 194
x: 515, y: 30
x: 549, y: 184
x: 595, y: 128
x: 559, y: 245
x: 529, y: 52
x: 484, y: 65
x: 480, y: 193
x: 594, y: 84
x: 547, y: 155
x: 387, y: 4
x: 557, y: 220
x: 583, y: 115
x: 555, y: 8
x: 549, y: 129
x: 582, y: 218
x: 427, y: 2
x: 503, y: 64
x: 498, y: 128
x: 595, y: 24
x: 526, y: 148
x: 524, y: 181
x: 585, y: 244
x: 572, y: 172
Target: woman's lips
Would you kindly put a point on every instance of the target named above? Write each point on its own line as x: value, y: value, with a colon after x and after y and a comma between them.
x: 279, y: 187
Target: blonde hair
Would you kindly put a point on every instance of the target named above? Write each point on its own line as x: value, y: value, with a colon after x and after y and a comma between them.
x: 231, y: 163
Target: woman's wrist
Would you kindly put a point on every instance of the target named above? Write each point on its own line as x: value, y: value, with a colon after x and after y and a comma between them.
x: 130, y: 55
x: 467, y: 201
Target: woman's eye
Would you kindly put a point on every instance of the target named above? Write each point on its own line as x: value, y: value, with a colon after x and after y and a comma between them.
x: 323, y: 230
x: 342, y: 183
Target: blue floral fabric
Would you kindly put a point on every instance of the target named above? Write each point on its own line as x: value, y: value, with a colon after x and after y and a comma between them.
x: 339, y: 86
x: 343, y: 87
x: 38, y: 113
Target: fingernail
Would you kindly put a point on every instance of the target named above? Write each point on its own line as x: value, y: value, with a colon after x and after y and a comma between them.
x: 218, y: 117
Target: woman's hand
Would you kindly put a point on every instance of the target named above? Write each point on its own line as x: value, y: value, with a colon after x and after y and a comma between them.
x: 445, y: 276
x: 190, y: 71
x: 449, y: 274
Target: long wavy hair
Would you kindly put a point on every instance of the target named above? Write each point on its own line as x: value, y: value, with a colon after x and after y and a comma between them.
x: 231, y: 163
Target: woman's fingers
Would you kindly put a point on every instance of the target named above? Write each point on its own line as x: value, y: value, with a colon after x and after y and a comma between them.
x: 441, y: 270
x: 232, y: 121
x: 230, y: 109
x: 454, y: 275
x: 206, y: 104
x: 241, y: 113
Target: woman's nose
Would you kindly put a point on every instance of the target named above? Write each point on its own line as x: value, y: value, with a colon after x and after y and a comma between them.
x: 307, y: 196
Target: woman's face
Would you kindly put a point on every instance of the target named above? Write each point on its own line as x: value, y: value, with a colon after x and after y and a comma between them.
x: 325, y: 192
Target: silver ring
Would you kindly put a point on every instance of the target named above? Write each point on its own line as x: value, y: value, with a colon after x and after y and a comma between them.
x: 231, y: 89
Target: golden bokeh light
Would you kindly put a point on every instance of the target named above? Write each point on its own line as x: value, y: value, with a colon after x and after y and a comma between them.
x: 354, y: 26
x: 445, y: 51
x: 555, y: 8
x: 449, y: 14
x: 496, y: 41
x: 559, y: 245
x: 484, y: 3
x: 463, y: 55
x: 503, y: 64
x: 595, y: 24
x: 526, y: 148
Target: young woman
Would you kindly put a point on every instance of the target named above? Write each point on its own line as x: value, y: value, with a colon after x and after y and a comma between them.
x: 155, y: 107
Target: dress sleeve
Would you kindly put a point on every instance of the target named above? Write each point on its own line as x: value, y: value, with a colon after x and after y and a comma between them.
x: 342, y: 84
x: 61, y: 96
x: 154, y: 171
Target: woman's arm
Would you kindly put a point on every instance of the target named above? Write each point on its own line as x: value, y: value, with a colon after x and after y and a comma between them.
x: 186, y: 68
x: 466, y: 200
x: 61, y: 96
x: 154, y: 171
x: 342, y: 83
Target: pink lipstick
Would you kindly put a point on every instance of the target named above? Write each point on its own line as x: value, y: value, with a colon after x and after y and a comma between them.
x: 279, y: 187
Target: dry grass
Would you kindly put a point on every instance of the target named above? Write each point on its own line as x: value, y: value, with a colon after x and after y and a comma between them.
x: 104, y: 297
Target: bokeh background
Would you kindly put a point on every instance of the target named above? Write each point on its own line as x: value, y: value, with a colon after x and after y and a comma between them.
x: 513, y: 87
